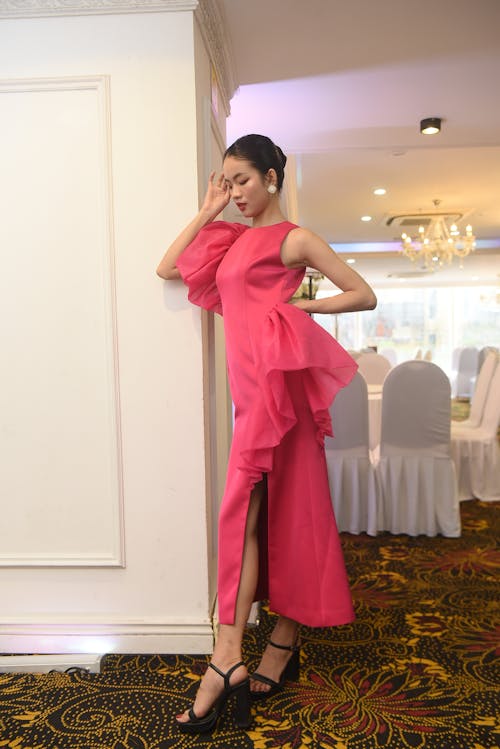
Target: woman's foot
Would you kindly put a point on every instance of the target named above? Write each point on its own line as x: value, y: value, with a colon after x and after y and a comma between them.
x: 279, y: 663
x: 280, y: 660
x: 212, y: 687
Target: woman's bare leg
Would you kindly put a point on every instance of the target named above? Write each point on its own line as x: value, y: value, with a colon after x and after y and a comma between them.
x: 274, y: 660
x: 227, y: 651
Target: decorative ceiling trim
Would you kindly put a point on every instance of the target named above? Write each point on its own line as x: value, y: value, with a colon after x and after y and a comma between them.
x: 44, y: 8
x: 209, y: 14
x: 213, y: 28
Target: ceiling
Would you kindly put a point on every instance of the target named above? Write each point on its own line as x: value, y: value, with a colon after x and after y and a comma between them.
x: 342, y: 86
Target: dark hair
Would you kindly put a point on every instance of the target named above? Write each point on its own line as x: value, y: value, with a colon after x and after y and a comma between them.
x: 261, y: 152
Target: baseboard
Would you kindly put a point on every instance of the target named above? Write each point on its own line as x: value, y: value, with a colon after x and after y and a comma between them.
x: 40, y: 664
x: 102, y: 638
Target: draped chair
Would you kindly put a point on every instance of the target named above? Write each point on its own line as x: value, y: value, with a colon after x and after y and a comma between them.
x: 455, y: 356
x: 353, y: 482
x: 466, y: 372
x: 483, y: 353
x: 391, y: 356
x: 417, y: 474
x: 373, y: 367
x: 476, y: 451
x: 478, y: 399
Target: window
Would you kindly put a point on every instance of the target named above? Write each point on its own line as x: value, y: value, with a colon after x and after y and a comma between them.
x: 409, y: 320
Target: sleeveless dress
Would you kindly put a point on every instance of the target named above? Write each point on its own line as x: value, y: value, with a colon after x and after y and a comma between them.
x: 284, y: 372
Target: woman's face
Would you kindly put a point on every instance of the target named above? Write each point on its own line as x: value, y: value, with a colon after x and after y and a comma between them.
x: 247, y: 185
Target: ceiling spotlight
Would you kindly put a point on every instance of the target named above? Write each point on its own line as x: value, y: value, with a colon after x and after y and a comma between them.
x: 379, y: 191
x: 366, y: 218
x: 351, y: 260
x: 430, y: 126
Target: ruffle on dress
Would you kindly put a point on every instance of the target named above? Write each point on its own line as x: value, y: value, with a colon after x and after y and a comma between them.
x: 291, y: 341
x: 199, y: 262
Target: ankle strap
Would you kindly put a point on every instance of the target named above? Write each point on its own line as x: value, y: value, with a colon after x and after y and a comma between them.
x: 226, y: 676
x: 292, y: 648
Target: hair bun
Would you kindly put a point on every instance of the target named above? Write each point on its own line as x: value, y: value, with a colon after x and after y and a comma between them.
x: 281, y: 156
x: 261, y: 152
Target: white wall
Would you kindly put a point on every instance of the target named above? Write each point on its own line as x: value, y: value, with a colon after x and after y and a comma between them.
x: 103, y: 505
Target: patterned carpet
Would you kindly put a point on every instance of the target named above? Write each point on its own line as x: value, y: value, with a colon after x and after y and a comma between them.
x: 416, y: 669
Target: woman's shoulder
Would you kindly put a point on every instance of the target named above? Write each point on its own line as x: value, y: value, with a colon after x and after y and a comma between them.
x: 301, y: 234
x: 219, y: 234
x: 299, y: 237
x: 299, y: 243
x: 226, y: 227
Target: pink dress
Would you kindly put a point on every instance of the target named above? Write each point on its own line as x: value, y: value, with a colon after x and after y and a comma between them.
x: 284, y: 372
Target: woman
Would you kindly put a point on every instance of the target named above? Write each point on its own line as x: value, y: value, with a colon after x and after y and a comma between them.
x: 277, y: 532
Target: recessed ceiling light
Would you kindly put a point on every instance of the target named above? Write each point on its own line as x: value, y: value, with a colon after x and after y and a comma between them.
x: 379, y: 191
x: 366, y: 218
x: 430, y: 126
x: 351, y: 261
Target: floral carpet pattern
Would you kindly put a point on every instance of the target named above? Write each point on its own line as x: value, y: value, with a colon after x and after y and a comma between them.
x: 418, y: 668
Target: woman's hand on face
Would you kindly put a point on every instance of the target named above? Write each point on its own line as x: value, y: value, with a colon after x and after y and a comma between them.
x: 217, y: 196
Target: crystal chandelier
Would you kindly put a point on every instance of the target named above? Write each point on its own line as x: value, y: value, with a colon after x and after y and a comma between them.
x: 437, y: 244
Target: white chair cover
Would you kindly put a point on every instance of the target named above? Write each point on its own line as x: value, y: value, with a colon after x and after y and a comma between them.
x: 373, y: 367
x: 419, y: 487
x: 391, y: 355
x: 467, y: 372
x: 479, y: 398
x: 476, y: 451
x: 483, y: 353
x: 353, y: 481
x: 455, y: 356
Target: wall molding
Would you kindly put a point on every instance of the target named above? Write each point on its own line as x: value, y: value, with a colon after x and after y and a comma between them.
x: 113, y: 552
x: 44, y: 8
x: 209, y: 14
x: 212, y: 22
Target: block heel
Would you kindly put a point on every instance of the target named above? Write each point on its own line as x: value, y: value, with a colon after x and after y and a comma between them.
x: 242, y: 716
x: 241, y: 693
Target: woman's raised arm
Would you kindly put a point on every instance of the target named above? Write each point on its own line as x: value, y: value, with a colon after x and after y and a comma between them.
x: 304, y: 248
x: 216, y: 199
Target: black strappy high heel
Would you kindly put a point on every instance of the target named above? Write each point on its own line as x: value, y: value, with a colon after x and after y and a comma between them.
x: 241, y: 692
x: 290, y: 673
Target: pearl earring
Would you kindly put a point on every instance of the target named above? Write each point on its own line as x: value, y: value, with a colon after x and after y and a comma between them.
x: 272, y: 189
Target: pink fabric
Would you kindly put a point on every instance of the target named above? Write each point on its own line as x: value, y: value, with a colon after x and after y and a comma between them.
x: 199, y: 265
x: 284, y: 372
